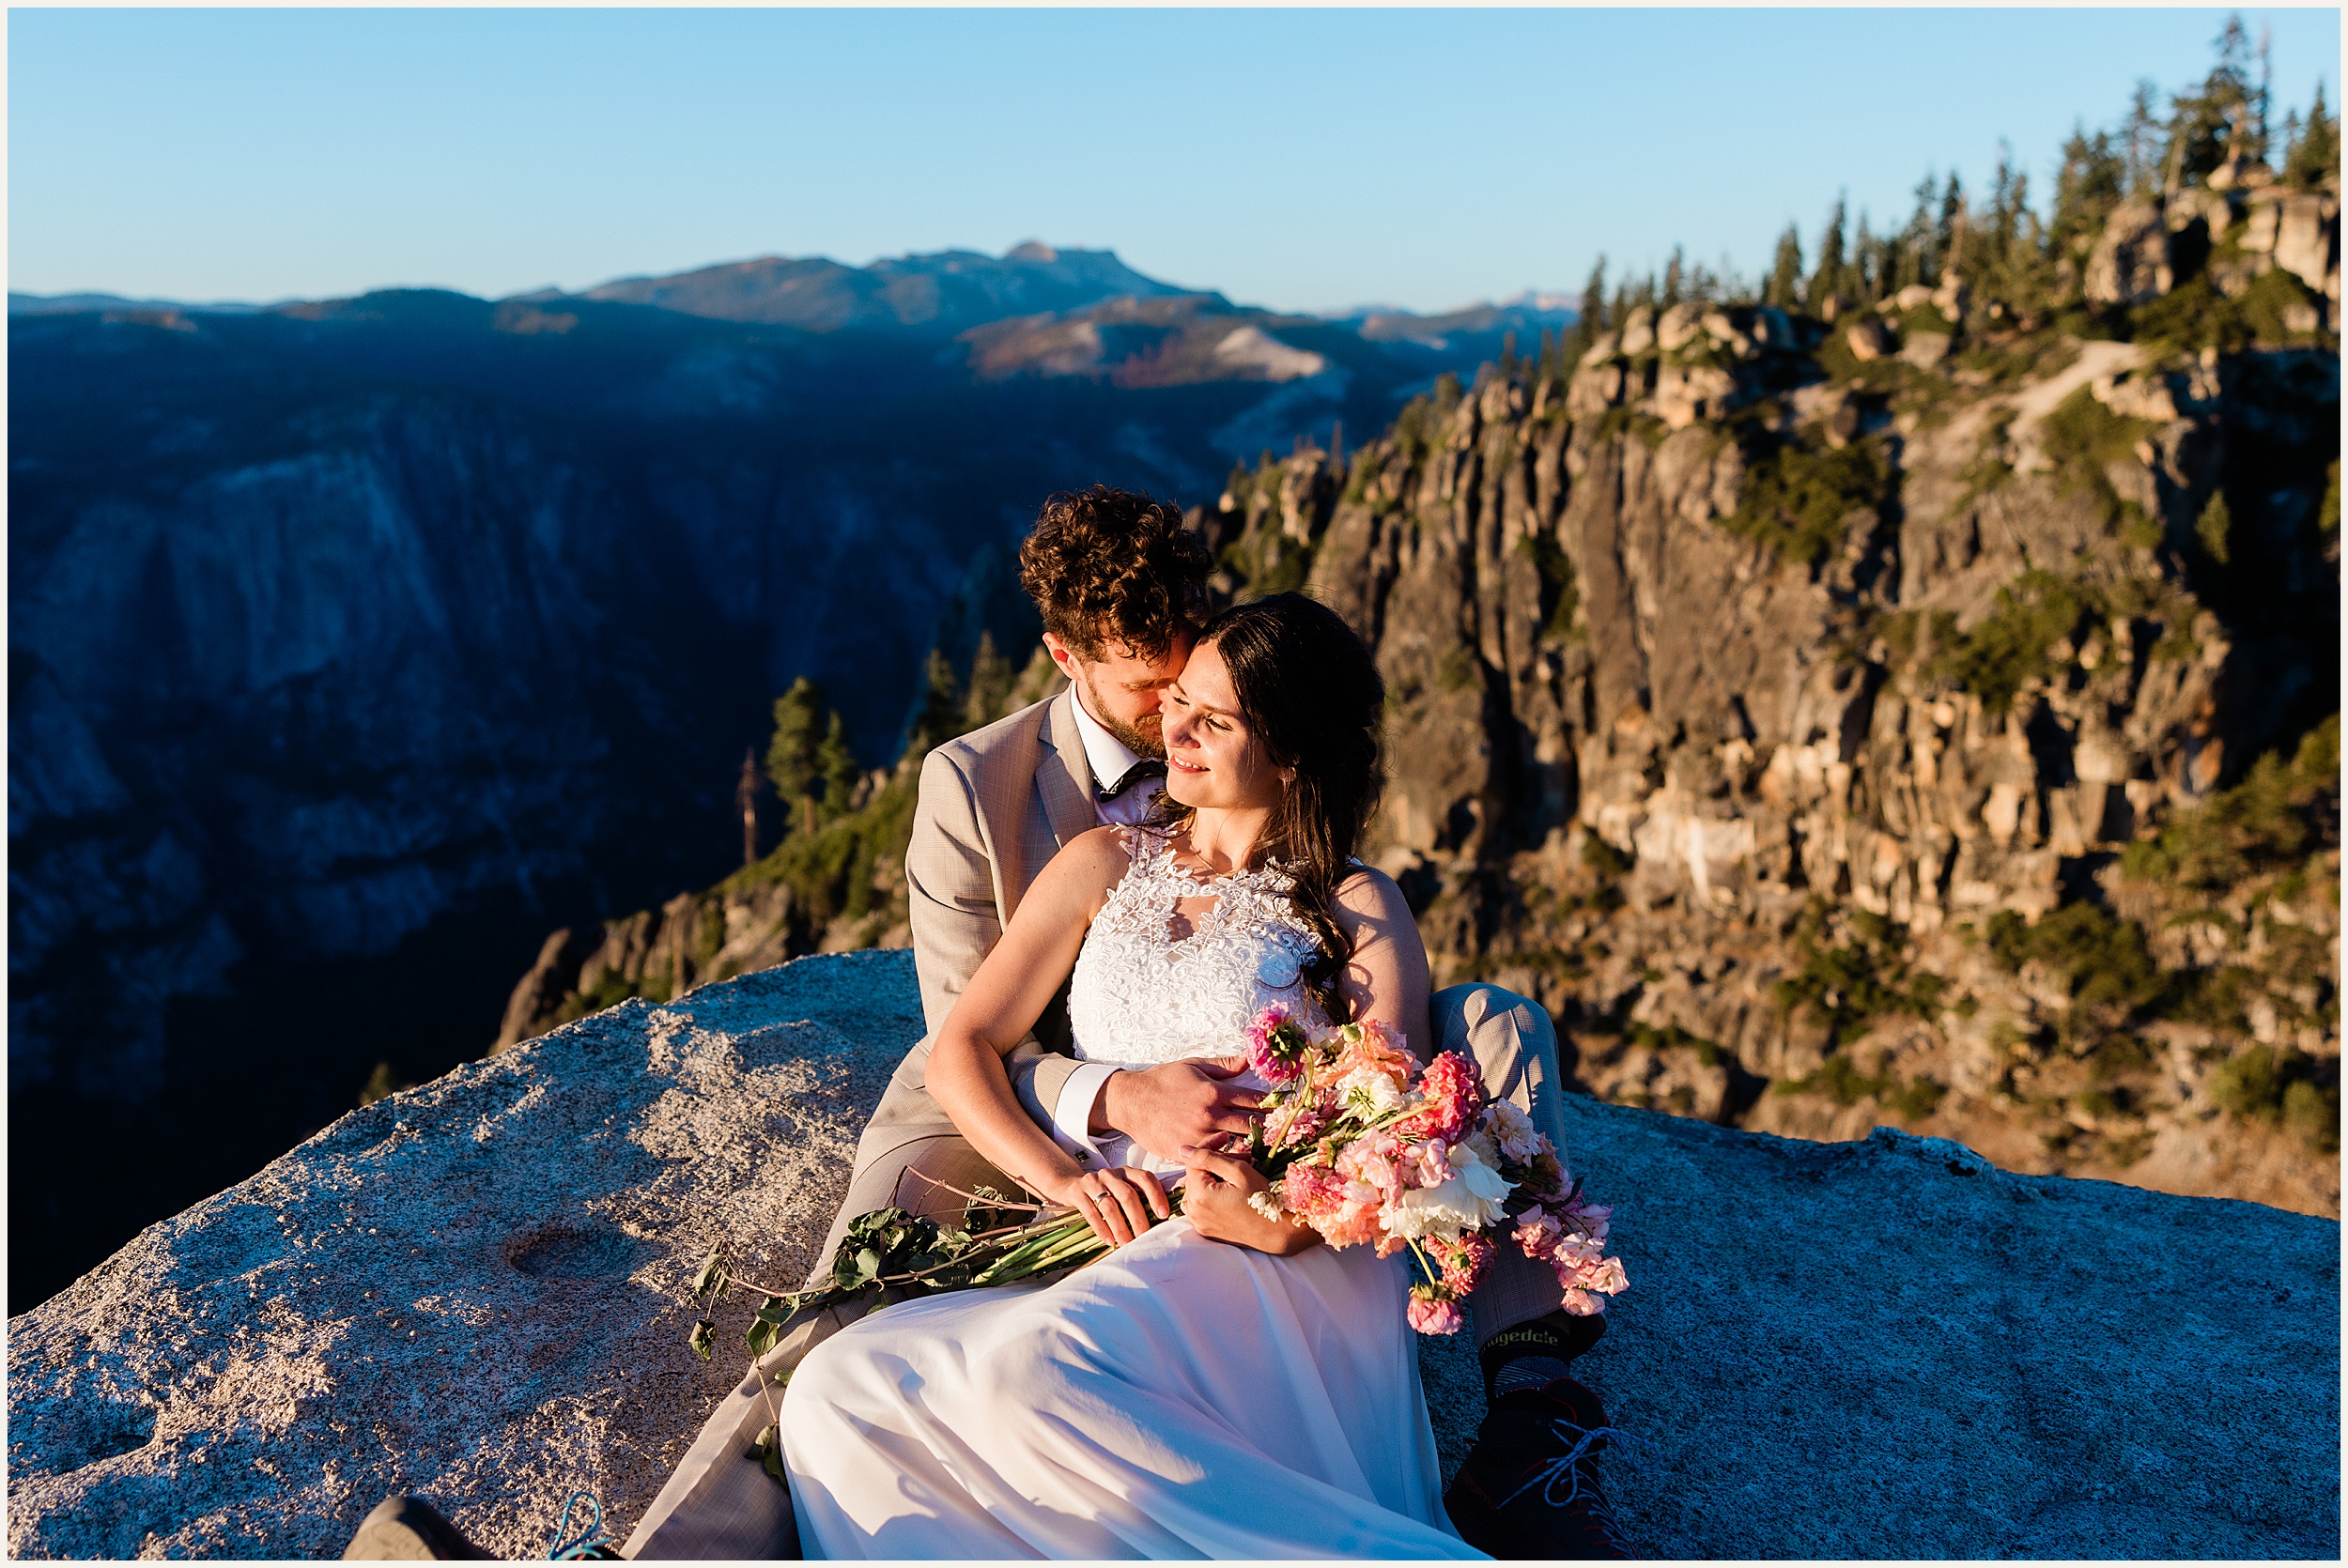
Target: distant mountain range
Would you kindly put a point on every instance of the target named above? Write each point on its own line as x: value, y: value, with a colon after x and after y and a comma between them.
x: 1033, y: 310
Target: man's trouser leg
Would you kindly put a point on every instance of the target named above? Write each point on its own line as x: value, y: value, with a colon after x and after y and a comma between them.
x: 1515, y: 1045
x: 721, y: 1503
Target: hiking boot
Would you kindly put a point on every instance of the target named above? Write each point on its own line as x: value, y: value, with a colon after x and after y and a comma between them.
x: 1529, y: 1487
x: 409, y: 1529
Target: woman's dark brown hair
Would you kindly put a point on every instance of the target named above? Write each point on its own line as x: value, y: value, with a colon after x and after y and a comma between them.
x: 1311, y: 693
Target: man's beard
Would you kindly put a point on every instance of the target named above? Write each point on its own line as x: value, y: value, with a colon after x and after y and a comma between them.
x: 1141, y: 742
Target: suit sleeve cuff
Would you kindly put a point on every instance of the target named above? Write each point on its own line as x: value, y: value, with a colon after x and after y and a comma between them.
x: 1072, y: 1115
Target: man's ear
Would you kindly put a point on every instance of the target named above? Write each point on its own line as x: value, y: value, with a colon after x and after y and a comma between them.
x: 1063, y: 656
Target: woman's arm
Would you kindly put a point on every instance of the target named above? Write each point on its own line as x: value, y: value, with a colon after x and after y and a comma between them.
x: 1010, y: 992
x: 1386, y: 978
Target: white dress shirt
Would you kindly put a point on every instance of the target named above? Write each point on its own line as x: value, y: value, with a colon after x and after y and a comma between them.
x: 1110, y: 758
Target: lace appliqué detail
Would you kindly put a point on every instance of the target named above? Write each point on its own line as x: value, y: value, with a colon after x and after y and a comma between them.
x: 1141, y: 995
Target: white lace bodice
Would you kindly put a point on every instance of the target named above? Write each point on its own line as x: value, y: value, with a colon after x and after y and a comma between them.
x: 1140, y: 996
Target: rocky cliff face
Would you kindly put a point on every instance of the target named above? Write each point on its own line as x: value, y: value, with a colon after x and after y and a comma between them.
x: 478, y: 1290
x: 1828, y: 727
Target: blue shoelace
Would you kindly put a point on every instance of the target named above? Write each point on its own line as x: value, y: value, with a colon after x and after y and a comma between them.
x: 591, y: 1545
x: 1566, y: 1466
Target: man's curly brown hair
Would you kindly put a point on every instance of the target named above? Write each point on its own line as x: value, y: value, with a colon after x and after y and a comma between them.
x: 1113, y: 565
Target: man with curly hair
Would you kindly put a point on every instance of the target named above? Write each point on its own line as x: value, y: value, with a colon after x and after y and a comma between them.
x: 1121, y: 584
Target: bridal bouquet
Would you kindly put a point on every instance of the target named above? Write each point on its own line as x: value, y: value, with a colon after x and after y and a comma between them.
x: 1359, y: 1142
x: 1367, y: 1147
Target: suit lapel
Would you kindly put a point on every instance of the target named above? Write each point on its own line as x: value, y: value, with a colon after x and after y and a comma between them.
x: 1063, y: 775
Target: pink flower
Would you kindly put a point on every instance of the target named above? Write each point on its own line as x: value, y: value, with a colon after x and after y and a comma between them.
x: 1426, y: 1165
x: 1430, y: 1312
x: 1587, y: 1219
x: 1311, y: 1191
x: 1579, y: 1259
x: 1297, y: 1123
x: 1275, y: 1047
x: 1374, y: 1158
x: 1463, y: 1261
x: 1512, y: 1130
x: 1454, y: 1091
x: 1344, y: 1212
x: 1538, y: 1232
x: 1354, y: 1224
x: 1368, y: 1045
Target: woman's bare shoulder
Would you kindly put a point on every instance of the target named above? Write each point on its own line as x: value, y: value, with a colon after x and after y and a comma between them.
x: 1368, y: 893
x: 1091, y: 863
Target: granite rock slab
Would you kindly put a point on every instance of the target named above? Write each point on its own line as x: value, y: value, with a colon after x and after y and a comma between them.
x: 475, y: 1291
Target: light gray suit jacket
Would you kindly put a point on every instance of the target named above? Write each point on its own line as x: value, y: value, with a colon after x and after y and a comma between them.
x: 995, y: 804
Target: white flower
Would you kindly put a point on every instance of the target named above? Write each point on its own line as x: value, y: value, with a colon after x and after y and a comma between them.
x: 1370, y: 1092
x: 1265, y: 1204
x: 1473, y: 1160
x: 1469, y: 1201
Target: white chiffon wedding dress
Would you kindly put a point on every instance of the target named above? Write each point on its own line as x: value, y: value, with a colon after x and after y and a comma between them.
x: 1181, y: 1397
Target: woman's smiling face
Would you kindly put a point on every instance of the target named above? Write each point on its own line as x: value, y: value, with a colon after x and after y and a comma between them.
x: 1212, y: 758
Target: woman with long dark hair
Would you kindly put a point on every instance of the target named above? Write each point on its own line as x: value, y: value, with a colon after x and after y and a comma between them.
x: 1222, y: 1385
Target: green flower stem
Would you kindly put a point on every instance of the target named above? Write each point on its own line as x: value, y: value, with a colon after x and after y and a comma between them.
x: 1433, y: 1276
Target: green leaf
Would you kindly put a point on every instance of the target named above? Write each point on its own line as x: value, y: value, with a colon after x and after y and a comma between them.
x: 714, y: 1276
x: 703, y: 1334
x: 766, y: 1448
x: 868, y: 1266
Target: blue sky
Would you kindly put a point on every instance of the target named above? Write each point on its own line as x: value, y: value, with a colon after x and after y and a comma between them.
x: 1300, y: 160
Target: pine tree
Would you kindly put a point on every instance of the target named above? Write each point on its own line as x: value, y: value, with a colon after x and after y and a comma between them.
x: 1948, y: 230
x: 2214, y: 527
x: 792, y: 760
x: 1591, y: 320
x: 1920, y: 254
x: 2090, y: 182
x: 2202, y: 124
x: 991, y: 677
x: 2316, y: 150
x: 1828, y: 280
x: 837, y: 764
x: 2143, y: 140
x: 938, y: 717
x: 1785, y: 289
x: 1673, y: 274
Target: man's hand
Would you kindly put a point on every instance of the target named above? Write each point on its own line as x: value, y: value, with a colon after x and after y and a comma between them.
x: 1177, y: 1105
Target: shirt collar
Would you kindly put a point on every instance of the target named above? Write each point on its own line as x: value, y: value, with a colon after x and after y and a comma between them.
x: 1108, y: 757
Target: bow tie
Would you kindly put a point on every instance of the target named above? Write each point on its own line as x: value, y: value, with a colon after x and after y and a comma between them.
x: 1148, y: 767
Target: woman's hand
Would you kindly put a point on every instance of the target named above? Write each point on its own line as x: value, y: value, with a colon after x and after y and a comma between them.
x: 1117, y: 1204
x: 1214, y: 1201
